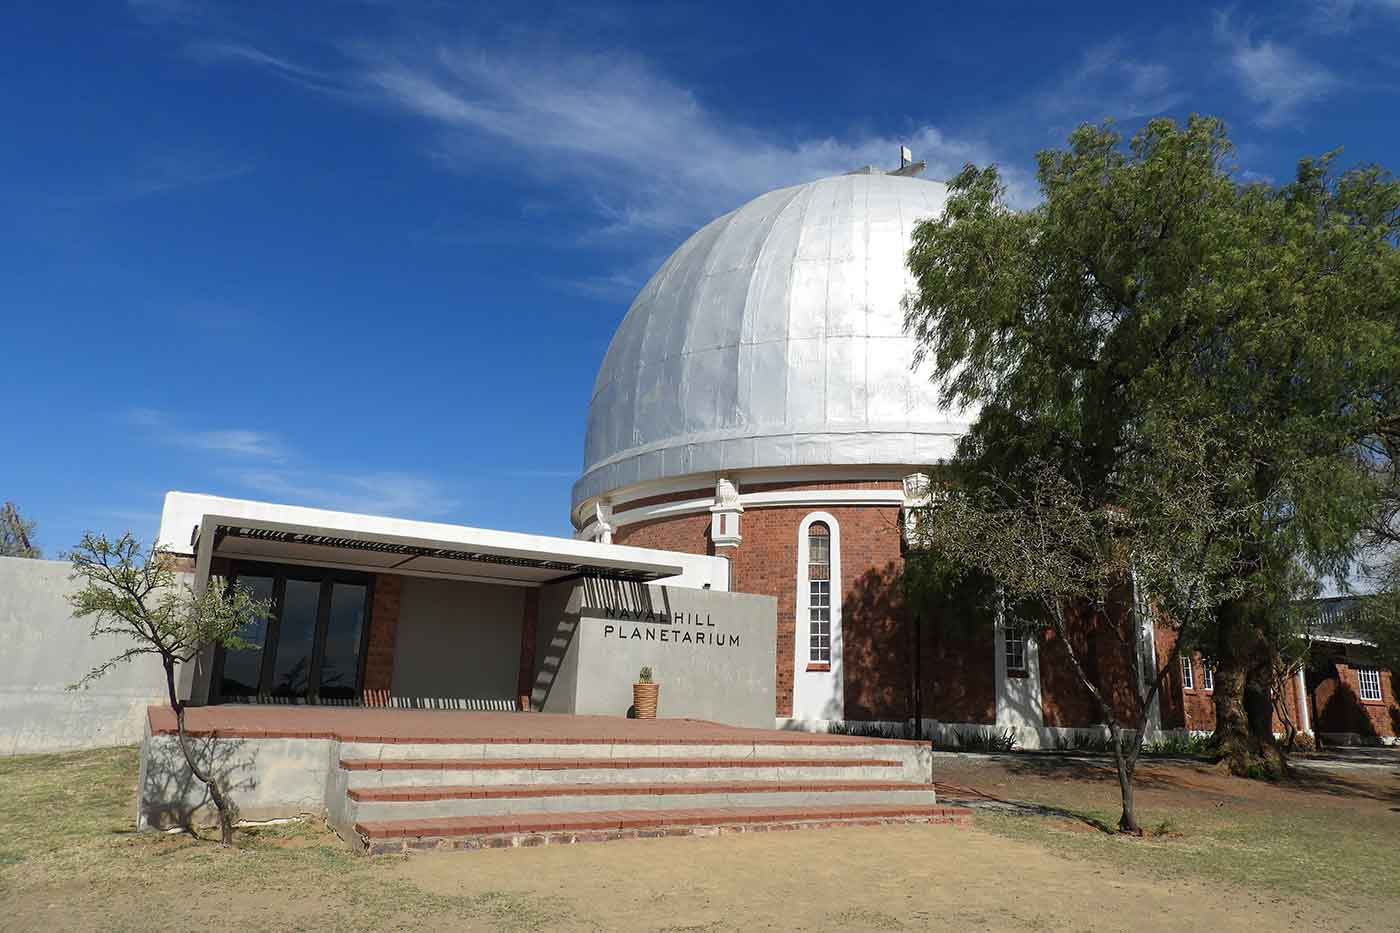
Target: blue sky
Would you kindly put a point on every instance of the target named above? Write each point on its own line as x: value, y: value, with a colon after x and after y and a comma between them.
x: 369, y: 256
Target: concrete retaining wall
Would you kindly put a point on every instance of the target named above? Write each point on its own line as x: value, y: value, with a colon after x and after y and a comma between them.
x: 43, y: 649
x: 713, y: 653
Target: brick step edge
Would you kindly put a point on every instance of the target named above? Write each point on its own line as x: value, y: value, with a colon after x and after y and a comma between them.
x: 949, y: 816
x: 581, y: 764
x: 491, y: 791
x: 636, y: 819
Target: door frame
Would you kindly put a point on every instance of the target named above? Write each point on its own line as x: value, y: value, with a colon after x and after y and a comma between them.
x: 280, y: 573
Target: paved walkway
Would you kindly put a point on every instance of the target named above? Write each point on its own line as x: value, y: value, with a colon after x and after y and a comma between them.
x: 354, y: 724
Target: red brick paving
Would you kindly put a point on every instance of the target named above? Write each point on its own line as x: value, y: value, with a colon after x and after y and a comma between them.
x: 612, y: 820
x: 576, y: 764
x: 466, y: 792
x: 360, y: 724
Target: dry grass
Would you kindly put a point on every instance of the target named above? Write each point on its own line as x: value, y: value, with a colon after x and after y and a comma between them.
x: 1235, y: 856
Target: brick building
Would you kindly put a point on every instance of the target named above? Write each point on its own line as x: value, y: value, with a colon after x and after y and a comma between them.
x: 760, y: 402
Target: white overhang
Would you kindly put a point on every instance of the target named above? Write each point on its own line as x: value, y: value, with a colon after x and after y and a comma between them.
x: 475, y: 554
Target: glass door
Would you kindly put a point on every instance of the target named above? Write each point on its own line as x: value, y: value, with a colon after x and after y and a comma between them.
x: 311, y: 647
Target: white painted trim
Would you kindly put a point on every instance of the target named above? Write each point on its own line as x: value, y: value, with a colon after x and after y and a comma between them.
x: 703, y: 483
x: 1147, y: 658
x: 1304, y: 714
x: 1018, y: 699
x: 760, y: 500
x: 817, y: 694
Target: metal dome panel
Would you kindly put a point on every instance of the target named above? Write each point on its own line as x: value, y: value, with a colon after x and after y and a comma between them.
x: 774, y: 336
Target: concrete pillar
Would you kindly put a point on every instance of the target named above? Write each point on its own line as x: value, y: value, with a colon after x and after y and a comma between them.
x: 1304, y: 715
x: 725, y: 516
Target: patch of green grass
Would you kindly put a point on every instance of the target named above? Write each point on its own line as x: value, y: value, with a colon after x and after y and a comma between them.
x: 70, y: 854
x: 1290, y: 850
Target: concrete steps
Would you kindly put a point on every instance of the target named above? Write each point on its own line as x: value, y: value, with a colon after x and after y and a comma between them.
x: 413, y: 803
x: 517, y: 771
x: 386, y: 796
x: 537, y: 829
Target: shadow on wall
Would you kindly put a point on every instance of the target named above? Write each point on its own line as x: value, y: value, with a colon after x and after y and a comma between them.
x: 948, y: 644
x: 1105, y: 644
x: 595, y: 593
x: 1336, y: 706
x: 171, y: 796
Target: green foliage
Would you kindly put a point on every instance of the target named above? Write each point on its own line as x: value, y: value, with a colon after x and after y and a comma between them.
x: 644, y: 675
x: 1196, y: 746
x: 1175, y: 374
x: 985, y: 739
x: 874, y: 730
x: 16, y: 534
x: 135, y: 594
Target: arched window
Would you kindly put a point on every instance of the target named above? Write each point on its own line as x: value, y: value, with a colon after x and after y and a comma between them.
x: 819, y: 593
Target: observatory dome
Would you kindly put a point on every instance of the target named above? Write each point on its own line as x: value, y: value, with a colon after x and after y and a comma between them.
x: 774, y: 337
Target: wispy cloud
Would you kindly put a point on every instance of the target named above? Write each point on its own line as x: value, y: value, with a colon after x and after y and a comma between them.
x: 209, y: 52
x: 1342, y: 16
x: 1110, y: 83
x: 405, y: 495
x: 162, y: 175
x: 640, y: 151
x: 259, y: 463
x: 233, y: 442
x: 1277, y: 77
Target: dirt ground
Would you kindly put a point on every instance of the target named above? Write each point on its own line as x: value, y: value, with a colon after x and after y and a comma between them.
x: 887, y: 878
x: 1221, y: 853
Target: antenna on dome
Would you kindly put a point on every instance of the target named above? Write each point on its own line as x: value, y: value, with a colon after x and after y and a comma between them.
x: 907, y: 166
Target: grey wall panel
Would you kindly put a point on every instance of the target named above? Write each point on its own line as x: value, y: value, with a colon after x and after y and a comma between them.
x: 458, y: 644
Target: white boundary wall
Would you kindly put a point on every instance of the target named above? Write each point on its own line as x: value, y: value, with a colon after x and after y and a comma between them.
x: 43, y: 649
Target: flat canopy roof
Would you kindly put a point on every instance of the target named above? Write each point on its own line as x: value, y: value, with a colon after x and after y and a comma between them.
x: 473, y: 554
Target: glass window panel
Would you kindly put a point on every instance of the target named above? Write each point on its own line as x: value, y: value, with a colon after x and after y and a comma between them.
x: 242, y: 668
x: 340, y: 664
x: 295, y: 639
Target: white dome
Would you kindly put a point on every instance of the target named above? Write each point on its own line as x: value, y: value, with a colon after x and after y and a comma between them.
x: 774, y: 337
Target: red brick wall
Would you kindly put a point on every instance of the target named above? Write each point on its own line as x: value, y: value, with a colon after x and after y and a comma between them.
x: 689, y: 534
x: 1336, y: 693
x: 877, y: 636
x: 530, y: 621
x: 383, y: 633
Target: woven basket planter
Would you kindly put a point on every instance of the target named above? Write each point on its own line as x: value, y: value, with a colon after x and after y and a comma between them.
x: 644, y: 698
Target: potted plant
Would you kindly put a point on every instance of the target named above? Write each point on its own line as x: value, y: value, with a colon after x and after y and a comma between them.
x: 645, y: 693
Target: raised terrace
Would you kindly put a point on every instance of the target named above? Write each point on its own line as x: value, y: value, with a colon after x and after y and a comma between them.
x: 389, y: 779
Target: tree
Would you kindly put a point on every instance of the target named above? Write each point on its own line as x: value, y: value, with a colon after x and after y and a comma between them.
x: 16, y: 534
x: 134, y: 593
x: 1062, y: 560
x: 1151, y: 299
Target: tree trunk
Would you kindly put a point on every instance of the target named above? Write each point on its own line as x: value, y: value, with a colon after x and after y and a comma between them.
x: 1127, y: 823
x: 227, y: 812
x: 1243, y: 704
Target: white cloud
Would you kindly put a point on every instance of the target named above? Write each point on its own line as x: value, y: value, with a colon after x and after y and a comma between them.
x: 1108, y: 83
x: 1342, y: 16
x: 401, y: 495
x: 244, y: 443
x: 1278, y: 78
x: 643, y: 153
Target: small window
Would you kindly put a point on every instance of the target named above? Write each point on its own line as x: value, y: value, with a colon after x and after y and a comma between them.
x: 1188, y: 674
x: 819, y: 593
x: 1207, y: 674
x: 1370, y: 680
x: 1015, y: 648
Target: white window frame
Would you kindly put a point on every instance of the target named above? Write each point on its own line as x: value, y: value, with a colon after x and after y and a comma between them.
x: 1014, y: 649
x: 803, y: 620
x: 1207, y: 675
x: 1361, y: 682
x: 1188, y: 673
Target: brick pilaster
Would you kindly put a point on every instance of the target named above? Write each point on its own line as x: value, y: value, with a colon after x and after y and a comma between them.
x: 383, y: 634
x: 528, y: 626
